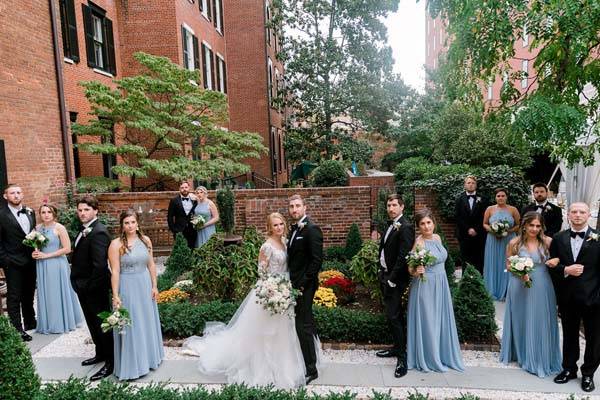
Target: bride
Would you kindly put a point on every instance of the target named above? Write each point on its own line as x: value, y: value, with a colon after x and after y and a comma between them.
x: 255, y: 347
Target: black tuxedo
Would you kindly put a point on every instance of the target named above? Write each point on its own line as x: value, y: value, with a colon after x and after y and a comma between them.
x: 179, y: 221
x: 396, y: 247
x: 305, y: 256
x: 471, y: 247
x: 90, y: 278
x: 552, y: 217
x: 578, y: 299
x: 19, y: 268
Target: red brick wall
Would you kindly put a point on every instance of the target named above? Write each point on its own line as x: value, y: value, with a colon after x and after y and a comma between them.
x: 375, y: 183
x: 29, y: 108
x: 334, y: 209
x: 425, y: 198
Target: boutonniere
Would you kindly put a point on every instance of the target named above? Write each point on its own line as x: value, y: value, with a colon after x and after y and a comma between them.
x: 397, y: 225
x: 86, y: 231
x: 301, y: 225
x: 28, y: 210
x: 593, y: 236
x: 478, y: 199
x: 548, y: 208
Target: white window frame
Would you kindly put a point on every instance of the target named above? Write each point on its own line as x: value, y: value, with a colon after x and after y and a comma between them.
x: 209, y: 67
x: 525, y: 70
x: 525, y: 35
x: 270, y: 82
x: 189, y: 44
x: 205, y: 8
x: 220, y: 65
x: 98, y: 28
x: 217, y: 15
x: 490, y: 91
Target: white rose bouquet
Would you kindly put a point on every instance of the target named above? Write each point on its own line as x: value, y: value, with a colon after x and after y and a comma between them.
x: 420, y: 256
x: 500, y: 228
x: 521, y: 266
x: 198, y: 221
x: 35, y: 239
x: 117, y: 319
x: 276, y: 294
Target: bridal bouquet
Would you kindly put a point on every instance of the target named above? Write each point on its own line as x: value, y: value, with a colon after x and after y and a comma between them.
x: 420, y: 256
x: 35, y: 239
x: 276, y: 294
x: 198, y: 221
x: 500, y: 228
x: 117, y: 319
x: 521, y: 266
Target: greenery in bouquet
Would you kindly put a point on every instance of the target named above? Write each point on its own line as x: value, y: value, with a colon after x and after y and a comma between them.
x: 35, y: 239
x: 117, y: 320
x: 198, y: 221
x: 420, y: 256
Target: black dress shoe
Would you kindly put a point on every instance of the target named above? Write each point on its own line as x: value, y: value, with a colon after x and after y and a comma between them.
x: 91, y: 361
x: 105, y: 371
x: 587, y: 384
x: 401, y: 369
x: 565, y: 376
x: 311, y: 377
x: 386, y: 353
x: 26, y: 337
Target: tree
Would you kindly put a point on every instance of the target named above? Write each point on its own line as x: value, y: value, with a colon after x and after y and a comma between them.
x: 150, y: 118
x: 339, y: 78
x: 564, y: 37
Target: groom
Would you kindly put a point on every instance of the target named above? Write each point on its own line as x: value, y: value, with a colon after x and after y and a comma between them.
x: 305, y: 255
x: 577, y: 290
x: 90, y: 278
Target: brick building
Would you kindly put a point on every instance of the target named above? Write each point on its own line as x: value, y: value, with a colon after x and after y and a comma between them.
x: 96, y: 40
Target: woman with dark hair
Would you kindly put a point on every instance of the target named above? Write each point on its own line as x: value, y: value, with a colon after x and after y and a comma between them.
x: 139, y: 348
x: 530, y: 332
x: 58, y: 309
x: 501, y: 221
x: 432, y: 340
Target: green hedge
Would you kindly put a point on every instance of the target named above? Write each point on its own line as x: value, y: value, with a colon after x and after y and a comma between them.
x: 333, y: 324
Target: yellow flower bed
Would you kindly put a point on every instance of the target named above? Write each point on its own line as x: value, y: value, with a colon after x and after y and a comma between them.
x: 331, y: 273
x: 172, y: 295
x: 325, y: 297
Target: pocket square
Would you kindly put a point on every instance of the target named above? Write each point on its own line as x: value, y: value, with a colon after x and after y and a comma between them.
x: 299, y: 237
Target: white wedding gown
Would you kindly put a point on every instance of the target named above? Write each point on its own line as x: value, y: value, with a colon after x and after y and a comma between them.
x: 255, y: 347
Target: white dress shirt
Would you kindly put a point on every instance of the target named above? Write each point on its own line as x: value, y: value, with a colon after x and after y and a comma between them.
x: 187, y: 204
x: 471, y: 199
x: 300, y: 221
x: 385, y: 238
x: 22, y: 218
x: 81, y: 233
x: 577, y: 242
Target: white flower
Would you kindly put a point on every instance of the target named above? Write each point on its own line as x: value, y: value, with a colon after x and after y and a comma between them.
x: 495, y: 226
x: 86, y: 231
x: 520, y: 266
x: 301, y: 225
x: 593, y: 236
x: 548, y: 208
x: 28, y: 210
x: 397, y: 225
x: 528, y: 262
x: 478, y: 199
x: 112, y: 319
x: 504, y: 234
x: 31, y: 235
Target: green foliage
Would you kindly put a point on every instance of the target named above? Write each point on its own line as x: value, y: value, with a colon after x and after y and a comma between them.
x: 416, y: 395
x: 473, y: 308
x: 18, y: 378
x: 353, y: 241
x: 335, y: 253
x: 179, y: 262
x: 417, y: 168
x: 450, y: 264
x: 357, y: 150
x: 330, y: 173
x: 336, y: 265
x: 98, y: 184
x: 67, y: 215
x: 161, y: 110
x: 226, y: 206
x: 365, y: 267
x: 564, y: 35
x: 380, y: 218
x: 186, y: 319
x: 223, y: 272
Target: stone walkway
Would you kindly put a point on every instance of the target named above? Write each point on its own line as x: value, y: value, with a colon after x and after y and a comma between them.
x: 57, y: 357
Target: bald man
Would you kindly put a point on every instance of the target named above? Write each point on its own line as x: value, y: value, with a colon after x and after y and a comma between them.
x: 575, y: 253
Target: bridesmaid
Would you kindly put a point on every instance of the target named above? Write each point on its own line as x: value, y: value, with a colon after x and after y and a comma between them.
x: 57, y: 306
x: 432, y: 340
x: 139, y: 349
x: 210, y: 212
x: 530, y: 334
x: 494, y: 265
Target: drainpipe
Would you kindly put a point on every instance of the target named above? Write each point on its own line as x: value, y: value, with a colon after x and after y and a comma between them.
x: 58, y: 60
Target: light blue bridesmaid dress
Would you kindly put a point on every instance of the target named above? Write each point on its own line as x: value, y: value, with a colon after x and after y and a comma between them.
x: 494, y: 263
x: 432, y: 340
x: 58, y: 308
x: 139, y: 349
x: 205, y: 233
x: 530, y: 333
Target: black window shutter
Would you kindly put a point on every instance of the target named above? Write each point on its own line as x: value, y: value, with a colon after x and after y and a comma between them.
x: 209, y: 10
x: 184, y: 47
x: 224, y: 77
x: 221, y: 16
x: 204, y: 71
x: 89, y: 35
x: 212, y: 71
x: 200, y: 5
x: 110, y: 47
x: 72, y: 30
x: 214, y: 7
x: 196, y: 53
x: 218, y: 74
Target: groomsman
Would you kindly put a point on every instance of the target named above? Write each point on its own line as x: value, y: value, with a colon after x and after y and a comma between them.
x: 468, y: 214
x: 575, y: 253
x: 16, y: 221
x: 90, y: 278
x: 552, y: 214
x: 305, y: 256
x: 179, y: 214
x: 394, y: 246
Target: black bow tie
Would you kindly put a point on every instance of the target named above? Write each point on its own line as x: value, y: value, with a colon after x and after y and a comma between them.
x: 21, y: 211
x: 294, y: 227
x: 575, y: 234
x: 471, y: 196
x: 390, y: 222
x: 185, y: 199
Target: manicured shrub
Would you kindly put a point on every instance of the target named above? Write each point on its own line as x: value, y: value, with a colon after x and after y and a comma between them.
x: 473, y: 308
x: 179, y: 262
x: 226, y: 206
x: 330, y: 173
x: 353, y: 241
x: 18, y: 378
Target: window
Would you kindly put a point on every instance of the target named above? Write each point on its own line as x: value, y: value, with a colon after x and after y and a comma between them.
x: 270, y: 83
x: 207, y: 67
x: 268, y: 21
x: 73, y: 119
x: 525, y: 36
x: 204, y: 6
x: 490, y: 91
x: 218, y: 15
x: 68, y: 25
x: 274, y: 146
x: 280, y: 141
x: 524, y: 69
x: 109, y: 160
x: 189, y: 44
x: 99, y: 41
x: 221, y: 74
